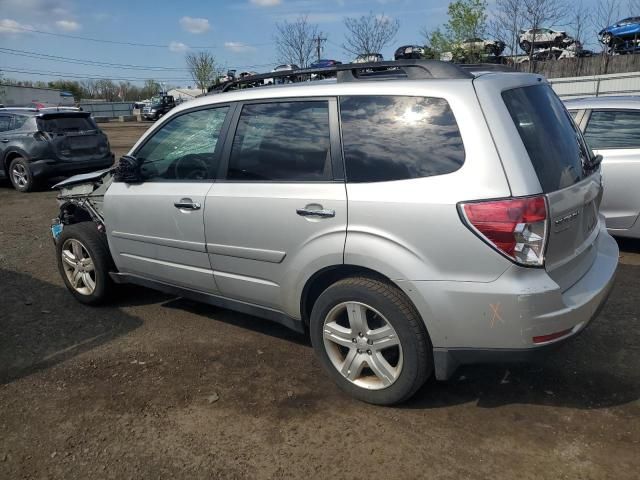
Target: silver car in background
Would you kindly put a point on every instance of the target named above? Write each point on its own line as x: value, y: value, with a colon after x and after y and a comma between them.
x: 611, y: 127
x: 410, y: 216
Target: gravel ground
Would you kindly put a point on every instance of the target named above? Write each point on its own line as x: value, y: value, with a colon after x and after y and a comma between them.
x: 158, y: 387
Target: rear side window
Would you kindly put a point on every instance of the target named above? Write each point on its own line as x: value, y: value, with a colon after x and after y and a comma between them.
x: 282, y: 141
x: 66, y: 124
x: 396, y: 138
x: 613, y: 129
x: 554, y: 144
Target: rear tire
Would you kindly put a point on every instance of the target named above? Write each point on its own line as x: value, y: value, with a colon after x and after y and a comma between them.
x: 526, y: 46
x: 84, y: 262
x: 20, y: 175
x: 371, y: 340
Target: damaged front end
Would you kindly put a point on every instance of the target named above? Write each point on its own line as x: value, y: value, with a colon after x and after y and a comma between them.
x: 81, y: 199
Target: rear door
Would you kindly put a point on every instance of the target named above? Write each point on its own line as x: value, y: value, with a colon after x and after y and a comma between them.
x: 279, y: 211
x: 615, y: 134
x: 560, y: 159
x: 156, y: 228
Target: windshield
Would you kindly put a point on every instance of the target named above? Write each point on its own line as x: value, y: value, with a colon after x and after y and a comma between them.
x: 556, y: 147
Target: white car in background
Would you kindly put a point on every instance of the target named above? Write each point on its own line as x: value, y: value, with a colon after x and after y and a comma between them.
x: 611, y: 127
x: 540, y: 38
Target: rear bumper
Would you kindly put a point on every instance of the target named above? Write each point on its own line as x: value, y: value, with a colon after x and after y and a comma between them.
x: 506, y: 320
x: 51, y: 167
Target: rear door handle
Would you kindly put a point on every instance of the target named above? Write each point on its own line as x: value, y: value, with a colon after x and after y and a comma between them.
x: 187, y: 204
x: 306, y: 212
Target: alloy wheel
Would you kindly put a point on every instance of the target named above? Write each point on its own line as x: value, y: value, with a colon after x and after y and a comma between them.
x: 20, y: 175
x: 78, y: 266
x: 362, y: 345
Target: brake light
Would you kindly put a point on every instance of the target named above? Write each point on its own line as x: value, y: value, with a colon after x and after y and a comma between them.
x: 516, y: 227
x: 41, y: 136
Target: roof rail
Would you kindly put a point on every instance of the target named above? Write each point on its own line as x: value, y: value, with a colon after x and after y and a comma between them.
x: 350, y: 72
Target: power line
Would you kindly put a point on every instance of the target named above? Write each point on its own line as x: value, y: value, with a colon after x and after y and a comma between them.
x: 95, y: 63
x: 91, y: 77
x: 43, y: 56
x: 130, y: 44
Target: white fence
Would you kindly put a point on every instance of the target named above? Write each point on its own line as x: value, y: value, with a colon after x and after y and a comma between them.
x: 597, y: 85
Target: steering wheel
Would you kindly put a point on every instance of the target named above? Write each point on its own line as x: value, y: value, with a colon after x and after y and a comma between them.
x: 191, y: 167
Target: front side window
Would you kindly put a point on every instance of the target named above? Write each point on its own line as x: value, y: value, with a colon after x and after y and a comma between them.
x: 282, y: 141
x: 183, y: 148
x: 396, y: 138
x: 613, y: 129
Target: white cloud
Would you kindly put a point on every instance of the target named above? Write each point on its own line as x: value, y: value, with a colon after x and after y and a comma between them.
x: 178, y: 47
x: 266, y: 3
x: 9, y: 26
x: 238, y: 47
x: 68, y: 25
x: 195, y: 25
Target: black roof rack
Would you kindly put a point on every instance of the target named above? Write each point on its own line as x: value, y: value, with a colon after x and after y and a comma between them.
x: 350, y: 72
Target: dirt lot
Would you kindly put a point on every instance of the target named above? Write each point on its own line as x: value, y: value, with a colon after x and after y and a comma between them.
x: 158, y: 387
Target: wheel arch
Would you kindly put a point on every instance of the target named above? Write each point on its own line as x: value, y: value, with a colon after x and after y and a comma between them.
x: 322, y: 279
x: 10, y: 155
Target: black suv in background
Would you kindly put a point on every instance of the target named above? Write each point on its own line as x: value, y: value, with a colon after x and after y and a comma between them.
x: 38, y: 144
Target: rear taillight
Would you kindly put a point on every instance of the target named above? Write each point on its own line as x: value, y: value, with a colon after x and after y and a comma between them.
x: 516, y: 227
x: 41, y: 136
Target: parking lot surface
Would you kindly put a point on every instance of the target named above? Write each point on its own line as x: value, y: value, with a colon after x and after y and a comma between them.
x: 153, y: 386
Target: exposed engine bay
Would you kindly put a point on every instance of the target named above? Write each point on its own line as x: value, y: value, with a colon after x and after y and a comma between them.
x: 81, y: 197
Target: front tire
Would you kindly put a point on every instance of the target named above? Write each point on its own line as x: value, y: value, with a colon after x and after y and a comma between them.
x: 20, y: 175
x: 371, y: 340
x: 526, y: 46
x: 84, y: 262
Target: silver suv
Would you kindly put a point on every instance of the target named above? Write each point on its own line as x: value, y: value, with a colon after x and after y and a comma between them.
x: 411, y: 217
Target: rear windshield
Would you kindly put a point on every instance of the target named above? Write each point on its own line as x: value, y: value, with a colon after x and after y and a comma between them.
x: 66, y: 124
x: 555, y: 145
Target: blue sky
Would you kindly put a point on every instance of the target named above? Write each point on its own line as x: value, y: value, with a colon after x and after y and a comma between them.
x: 240, y: 32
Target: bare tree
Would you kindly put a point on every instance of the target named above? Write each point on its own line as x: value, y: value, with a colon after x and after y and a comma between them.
x: 605, y: 14
x: 203, y: 69
x: 580, y: 18
x: 369, y: 33
x: 542, y: 13
x: 506, y: 23
x: 295, y: 41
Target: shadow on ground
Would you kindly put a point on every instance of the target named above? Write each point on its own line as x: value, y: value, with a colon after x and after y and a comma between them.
x: 42, y: 324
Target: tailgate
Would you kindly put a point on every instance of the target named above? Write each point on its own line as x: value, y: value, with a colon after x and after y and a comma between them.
x: 561, y: 162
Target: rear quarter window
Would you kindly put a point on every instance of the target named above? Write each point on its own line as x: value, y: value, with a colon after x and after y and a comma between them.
x: 398, y: 137
x: 555, y: 146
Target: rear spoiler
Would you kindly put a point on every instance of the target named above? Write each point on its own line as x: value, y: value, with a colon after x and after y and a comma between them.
x: 62, y: 113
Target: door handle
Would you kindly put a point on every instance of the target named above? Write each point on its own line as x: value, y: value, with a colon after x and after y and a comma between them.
x: 187, y: 204
x: 306, y: 212
x: 5, y: 140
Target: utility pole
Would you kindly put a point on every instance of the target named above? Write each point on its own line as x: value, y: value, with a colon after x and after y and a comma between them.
x: 318, y: 39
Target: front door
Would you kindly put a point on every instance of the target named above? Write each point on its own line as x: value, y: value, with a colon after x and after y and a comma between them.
x: 615, y: 134
x: 279, y: 210
x: 156, y: 228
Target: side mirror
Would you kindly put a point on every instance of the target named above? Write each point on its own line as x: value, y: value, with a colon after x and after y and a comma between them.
x: 596, y: 161
x: 128, y: 170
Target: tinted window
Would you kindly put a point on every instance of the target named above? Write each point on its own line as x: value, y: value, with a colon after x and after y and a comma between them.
x: 67, y: 124
x: 396, y: 138
x: 183, y: 148
x: 553, y: 142
x: 610, y: 129
x: 282, y: 142
x: 5, y: 123
x: 19, y: 121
